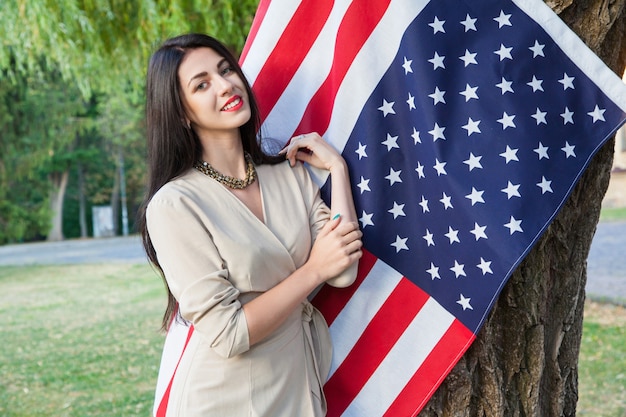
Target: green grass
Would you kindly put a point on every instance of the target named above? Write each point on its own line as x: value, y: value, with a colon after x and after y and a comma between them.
x: 613, y: 214
x: 83, y: 341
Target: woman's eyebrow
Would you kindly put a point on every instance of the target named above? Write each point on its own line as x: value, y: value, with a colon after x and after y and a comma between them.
x: 198, y: 75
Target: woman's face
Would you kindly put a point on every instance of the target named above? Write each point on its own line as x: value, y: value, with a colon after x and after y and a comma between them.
x: 213, y: 94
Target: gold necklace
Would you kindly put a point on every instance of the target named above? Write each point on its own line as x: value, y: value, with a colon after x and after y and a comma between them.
x: 230, y: 182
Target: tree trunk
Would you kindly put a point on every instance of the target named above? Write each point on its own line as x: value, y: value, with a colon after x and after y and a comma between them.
x: 115, y: 202
x: 524, y: 361
x: 82, y: 205
x: 57, y: 195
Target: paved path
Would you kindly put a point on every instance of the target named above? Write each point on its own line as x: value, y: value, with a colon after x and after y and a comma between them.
x: 606, y: 263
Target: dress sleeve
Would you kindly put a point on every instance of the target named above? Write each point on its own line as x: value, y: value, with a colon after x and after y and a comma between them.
x: 196, y: 275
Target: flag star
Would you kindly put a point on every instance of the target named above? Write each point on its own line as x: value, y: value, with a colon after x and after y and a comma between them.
x: 568, y: 116
x: 471, y: 126
x: 387, y: 108
x: 469, y: 58
x: 536, y: 84
x: 542, y: 151
x: 437, y: 132
x: 453, y: 235
x: 469, y: 93
x: 428, y: 237
x: 537, y: 49
x: 424, y: 205
x: 510, y: 154
x: 394, y: 176
x: 407, y: 65
x: 469, y: 23
x: 511, y: 190
x: 437, y: 25
x: 485, y: 266
x: 504, y: 52
x: 514, y: 225
x: 545, y: 185
x: 569, y: 150
x: 411, y: 102
x: 446, y: 201
x: 397, y: 210
x: 420, y: 170
x: 366, y: 219
x: 361, y: 151
x: 364, y: 185
x: 567, y: 81
x: 437, y: 61
x: 505, y: 86
x: 400, y: 243
x: 440, y: 167
x: 465, y: 303
x: 597, y: 114
x: 458, y: 269
x: 503, y: 19
x: 479, y: 231
x: 433, y: 271
x: 416, y: 137
x: 473, y: 161
x: 391, y: 142
x: 506, y: 120
x: 437, y: 96
x: 475, y: 196
x: 540, y: 117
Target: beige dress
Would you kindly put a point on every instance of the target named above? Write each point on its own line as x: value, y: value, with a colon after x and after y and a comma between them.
x: 216, y: 256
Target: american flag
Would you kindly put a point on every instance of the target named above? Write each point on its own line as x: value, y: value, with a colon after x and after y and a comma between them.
x: 465, y: 125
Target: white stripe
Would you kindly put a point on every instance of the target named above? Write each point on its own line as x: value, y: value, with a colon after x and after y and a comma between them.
x: 359, y: 311
x: 411, y: 350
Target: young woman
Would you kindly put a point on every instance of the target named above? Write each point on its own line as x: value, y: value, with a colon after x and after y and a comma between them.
x: 241, y: 239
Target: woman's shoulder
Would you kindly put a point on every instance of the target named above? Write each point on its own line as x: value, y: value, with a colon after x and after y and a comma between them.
x: 179, y: 188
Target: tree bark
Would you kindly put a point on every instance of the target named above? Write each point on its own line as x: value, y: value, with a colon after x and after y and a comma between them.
x: 82, y: 204
x: 57, y: 195
x: 524, y: 361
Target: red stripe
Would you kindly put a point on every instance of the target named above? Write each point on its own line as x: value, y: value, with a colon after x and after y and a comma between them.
x: 373, y: 345
x: 433, y: 371
x: 293, y: 45
x: 254, y: 29
x: 358, y: 23
x: 330, y: 300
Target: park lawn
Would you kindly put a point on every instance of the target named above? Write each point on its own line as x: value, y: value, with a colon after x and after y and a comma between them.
x: 613, y: 214
x: 83, y: 340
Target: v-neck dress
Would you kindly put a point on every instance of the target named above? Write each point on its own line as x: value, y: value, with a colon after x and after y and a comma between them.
x: 216, y: 256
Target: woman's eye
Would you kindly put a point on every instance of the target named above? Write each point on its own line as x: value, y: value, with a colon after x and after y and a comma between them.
x: 227, y: 70
x: 201, y: 86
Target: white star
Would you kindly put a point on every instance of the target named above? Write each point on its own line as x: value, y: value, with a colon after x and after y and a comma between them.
x: 437, y: 61
x: 537, y: 49
x: 366, y: 219
x: 453, y: 235
x: 469, y: 93
x: 458, y: 269
x: 437, y: 132
x: 504, y: 52
x: 567, y: 116
x: 514, y: 225
x: 479, y: 231
x: 468, y: 58
x: 391, y: 142
x: 411, y: 102
x: 394, y: 176
x: 545, y: 185
x: 465, y: 303
x: 471, y: 126
x: 437, y: 96
x: 437, y: 25
x: 505, y: 86
x: 536, y: 84
x: 400, y: 243
x: 397, y: 210
x: 364, y: 185
x: 510, y: 154
x: 511, y: 190
x: 507, y: 121
x: 428, y: 237
x: 416, y: 137
x: 503, y: 19
x: 473, y: 161
x: 540, y: 117
x: 440, y: 167
x: 407, y: 65
x: 446, y: 201
x: 485, y: 266
x: 469, y: 23
x: 361, y: 151
x: 424, y: 205
x: 597, y: 114
x: 567, y: 81
x: 433, y: 271
x: 420, y: 170
x: 542, y: 151
x: 569, y: 150
x: 475, y: 196
x: 387, y: 108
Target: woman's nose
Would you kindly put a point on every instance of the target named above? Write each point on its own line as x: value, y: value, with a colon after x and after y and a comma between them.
x: 225, y: 85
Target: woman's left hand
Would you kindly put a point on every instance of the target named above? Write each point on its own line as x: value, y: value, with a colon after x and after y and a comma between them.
x: 314, y: 150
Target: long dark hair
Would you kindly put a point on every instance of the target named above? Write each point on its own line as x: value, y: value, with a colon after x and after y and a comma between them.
x: 173, y: 148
